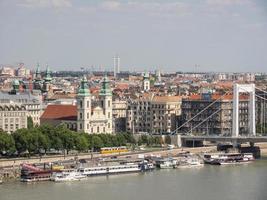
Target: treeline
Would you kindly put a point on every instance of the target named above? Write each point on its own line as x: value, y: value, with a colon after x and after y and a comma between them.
x: 45, y: 138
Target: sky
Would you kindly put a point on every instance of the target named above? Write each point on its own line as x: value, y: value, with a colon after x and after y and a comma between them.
x: 171, y: 35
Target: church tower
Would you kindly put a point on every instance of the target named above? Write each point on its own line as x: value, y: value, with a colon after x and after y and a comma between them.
x: 146, y: 82
x: 47, y: 79
x: 105, y: 96
x: 37, y: 83
x: 83, y: 107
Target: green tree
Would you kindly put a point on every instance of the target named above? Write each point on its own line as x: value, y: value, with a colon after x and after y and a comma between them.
x: 96, y: 142
x: 29, y: 122
x: 121, y: 141
x: 81, y: 142
x: 143, y: 140
x: 21, y: 140
x: 67, y: 137
x: 7, y: 143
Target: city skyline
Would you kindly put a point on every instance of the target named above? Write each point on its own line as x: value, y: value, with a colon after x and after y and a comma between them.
x: 214, y: 35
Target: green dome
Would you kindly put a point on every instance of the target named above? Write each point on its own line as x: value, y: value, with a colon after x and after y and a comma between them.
x: 83, y: 89
x: 105, y: 89
x: 15, y: 82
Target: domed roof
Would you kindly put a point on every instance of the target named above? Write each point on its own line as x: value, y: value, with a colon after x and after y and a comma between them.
x: 15, y: 82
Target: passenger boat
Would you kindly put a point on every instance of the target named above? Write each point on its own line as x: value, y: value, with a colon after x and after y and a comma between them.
x: 67, y: 175
x: 189, y: 163
x: 166, y: 163
x: 228, y: 158
x: 115, y: 169
x: 146, y: 166
x: 30, y: 173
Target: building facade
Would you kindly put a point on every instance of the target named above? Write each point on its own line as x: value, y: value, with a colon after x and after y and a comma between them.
x: 15, y: 99
x: 13, y: 116
x: 216, y: 115
x: 119, y: 108
x: 94, y: 117
x: 153, y: 114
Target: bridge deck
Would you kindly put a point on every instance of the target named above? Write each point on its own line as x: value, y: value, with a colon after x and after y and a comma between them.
x: 241, y: 139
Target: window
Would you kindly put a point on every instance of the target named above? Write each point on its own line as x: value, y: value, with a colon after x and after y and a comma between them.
x: 98, y: 129
x: 88, y: 115
x: 108, y: 114
x: 81, y: 115
x: 108, y: 103
x: 81, y: 104
x: 81, y: 126
x: 88, y: 104
x: 104, y: 130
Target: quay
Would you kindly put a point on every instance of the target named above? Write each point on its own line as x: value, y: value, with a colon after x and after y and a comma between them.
x: 10, y: 168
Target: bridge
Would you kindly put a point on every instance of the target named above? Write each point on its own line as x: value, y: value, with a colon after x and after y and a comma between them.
x: 235, y: 138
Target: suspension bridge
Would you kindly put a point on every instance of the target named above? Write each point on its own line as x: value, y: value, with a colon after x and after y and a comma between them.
x: 235, y: 137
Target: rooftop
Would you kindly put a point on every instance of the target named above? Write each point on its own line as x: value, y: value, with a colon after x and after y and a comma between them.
x: 60, y: 112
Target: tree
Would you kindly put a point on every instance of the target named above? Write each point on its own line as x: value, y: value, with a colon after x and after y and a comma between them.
x: 96, y: 142
x: 7, y: 143
x: 67, y: 137
x: 129, y: 138
x: 121, y: 141
x: 29, y: 122
x: 143, y: 140
x: 81, y: 142
x: 21, y: 140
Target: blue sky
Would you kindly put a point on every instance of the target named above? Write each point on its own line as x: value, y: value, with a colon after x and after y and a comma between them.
x: 215, y: 35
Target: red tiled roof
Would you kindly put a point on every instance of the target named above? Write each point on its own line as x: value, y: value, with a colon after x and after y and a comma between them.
x: 216, y: 96
x: 60, y: 112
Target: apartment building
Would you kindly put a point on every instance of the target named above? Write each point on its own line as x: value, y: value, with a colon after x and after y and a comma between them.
x: 153, y: 114
x: 216, y: 114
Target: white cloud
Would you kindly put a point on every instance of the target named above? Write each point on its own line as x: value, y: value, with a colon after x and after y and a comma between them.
x: 227, y: 2
x: 111, y: 5
x: 45, y: 3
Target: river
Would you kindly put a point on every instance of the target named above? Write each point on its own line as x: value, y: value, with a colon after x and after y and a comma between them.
x: 240, y: 182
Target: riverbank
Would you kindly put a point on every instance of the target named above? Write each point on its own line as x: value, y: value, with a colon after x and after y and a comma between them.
x: 9, y: 168
x: 15, y: 162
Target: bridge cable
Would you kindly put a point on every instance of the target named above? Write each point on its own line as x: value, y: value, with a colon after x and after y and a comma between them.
x: 199, y: 113
x: 205, y: 119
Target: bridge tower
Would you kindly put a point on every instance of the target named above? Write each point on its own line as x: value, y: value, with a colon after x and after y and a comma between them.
x: 247, y: 88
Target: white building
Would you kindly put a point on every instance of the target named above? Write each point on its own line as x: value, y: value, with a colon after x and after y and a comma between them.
x: 116, y: 65
x: 97, y: 118
x: 146, y: 82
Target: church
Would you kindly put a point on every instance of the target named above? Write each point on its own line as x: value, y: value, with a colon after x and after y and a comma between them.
x: 89, y: 115
x: 94, y: 117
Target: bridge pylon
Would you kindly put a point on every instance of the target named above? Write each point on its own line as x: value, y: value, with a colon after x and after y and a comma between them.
x: 247, y: 88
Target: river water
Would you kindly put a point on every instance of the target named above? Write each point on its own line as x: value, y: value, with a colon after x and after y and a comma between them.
x: 239, y: 182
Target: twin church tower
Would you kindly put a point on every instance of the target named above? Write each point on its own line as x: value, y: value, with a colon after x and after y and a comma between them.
x: 94, y: 117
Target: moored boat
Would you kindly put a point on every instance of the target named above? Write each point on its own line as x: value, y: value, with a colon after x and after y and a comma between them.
x: 30, y: 173
x: 166, y: 163
x: 228, y: 158
x: 67, y: 175
x: 114, y: 169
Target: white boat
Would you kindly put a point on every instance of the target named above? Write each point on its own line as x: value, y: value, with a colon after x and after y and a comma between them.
x: 71, y: 175
x: 167, y: 163
x: 189, y: 163
x: 105, y: 170
x: 228, y: 158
